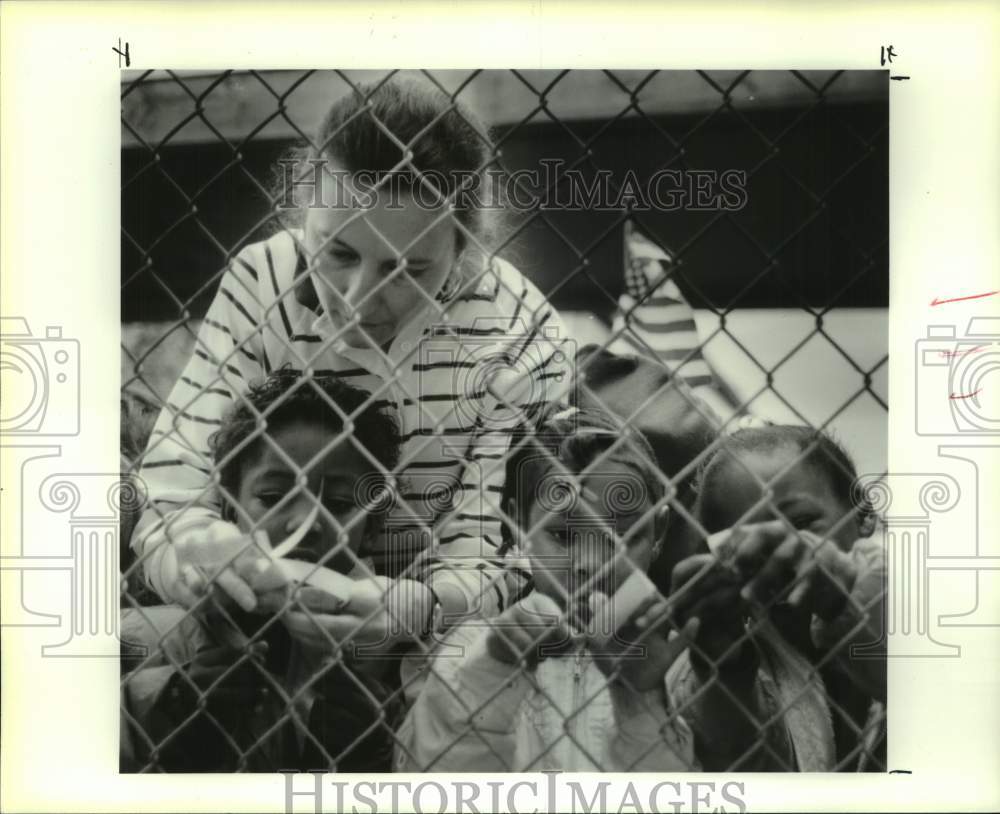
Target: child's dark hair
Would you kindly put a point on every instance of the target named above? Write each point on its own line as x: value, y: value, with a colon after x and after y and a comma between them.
x: 287, y: 396
x: 820, y: 449
x: 575, y: 438
x: 449, y: 147
x: 138, y: 415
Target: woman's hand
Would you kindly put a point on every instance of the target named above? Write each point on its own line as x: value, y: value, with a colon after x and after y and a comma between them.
x: 221, y: 560
x: 528, y: 631
x: 773, y: 561
x: 369, y: 617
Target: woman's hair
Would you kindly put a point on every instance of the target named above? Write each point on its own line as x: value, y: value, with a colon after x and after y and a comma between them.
x: 449, y: 146
x: 576, y: 438
x: 815, y: 447
x: 288, y: 397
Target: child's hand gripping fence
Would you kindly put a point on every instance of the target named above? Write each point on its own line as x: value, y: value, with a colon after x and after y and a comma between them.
x: 438, y: 604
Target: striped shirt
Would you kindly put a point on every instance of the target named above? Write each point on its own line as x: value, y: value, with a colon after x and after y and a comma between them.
x: 455, y: 431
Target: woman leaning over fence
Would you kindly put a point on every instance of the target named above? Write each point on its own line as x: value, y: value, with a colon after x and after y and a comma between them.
x: 389, y: 288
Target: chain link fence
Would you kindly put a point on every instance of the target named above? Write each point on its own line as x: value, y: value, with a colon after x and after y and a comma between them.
x: 665, y: 272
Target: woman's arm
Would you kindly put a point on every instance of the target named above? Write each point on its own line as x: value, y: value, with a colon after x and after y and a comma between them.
x: 177, y: 464
x: 464, y: 570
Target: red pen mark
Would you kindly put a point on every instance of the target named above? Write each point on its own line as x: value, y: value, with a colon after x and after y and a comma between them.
x: 936, y: 301
x: 966, y: 395
x: 947, y: 354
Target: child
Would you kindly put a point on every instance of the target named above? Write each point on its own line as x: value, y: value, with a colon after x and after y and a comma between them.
x: 395, y: 288
x: 771, y: 682
x: 282, y: 687
x: 543, y: 686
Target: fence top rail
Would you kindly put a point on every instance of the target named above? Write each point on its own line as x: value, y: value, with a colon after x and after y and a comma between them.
x: 240, y: 102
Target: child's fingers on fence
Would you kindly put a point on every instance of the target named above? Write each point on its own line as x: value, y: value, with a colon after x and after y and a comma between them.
x: 516, y: 644
x: 757, y: 543
x: 601, y: 631
x: 525, y: 645
x: 319, y: 601
x: 541, y: 619
x: 191, y: 585
x: 539, y: 615
x: 228, y: 557
x: 659, y: 652
x: 509, y: 643
x: 521, y: 631
x: 217, y: 542
x: 722, y: 603
x: 697, y: 569
x: 778, y: 571
x: 325, y: 625
x: 601, y: 612
x: 236, y: 588
x: 261, y: 573
x: 651, y: 613
x: 654, y: 614
x: 271, y: 601
x: 609, y: 638
x: 697, y: 580
x: 677, y: 644
x: 825, y: 576
x: 183, y: 595
x: 799, y: 596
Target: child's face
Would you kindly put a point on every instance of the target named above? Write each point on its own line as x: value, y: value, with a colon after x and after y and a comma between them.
x: 267, y: 478
x: 353, y: 256
x: 803, y: 494
x: 574, y: 553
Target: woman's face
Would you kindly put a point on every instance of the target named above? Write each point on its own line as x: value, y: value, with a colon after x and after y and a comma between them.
x: 801, y: 492
x: 267, y: 478
x: 354, y: 252
x: 574, y: 551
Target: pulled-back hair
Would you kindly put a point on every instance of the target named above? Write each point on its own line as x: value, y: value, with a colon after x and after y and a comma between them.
x: 817, y: 448
x: 575, y: 438
x: 287, y: 397
x: 448, y: 146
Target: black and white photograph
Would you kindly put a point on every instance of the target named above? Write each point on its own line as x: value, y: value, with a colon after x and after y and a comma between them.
x: 519, y: 407
x: 504, y: 420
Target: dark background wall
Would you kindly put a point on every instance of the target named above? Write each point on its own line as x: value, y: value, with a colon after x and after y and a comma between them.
x: 834, y: 247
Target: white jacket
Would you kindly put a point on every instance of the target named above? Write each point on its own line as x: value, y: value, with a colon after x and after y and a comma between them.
x: 475, y: 713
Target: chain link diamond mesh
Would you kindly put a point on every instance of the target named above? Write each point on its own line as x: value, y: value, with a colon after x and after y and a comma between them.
x: 209, y: 685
